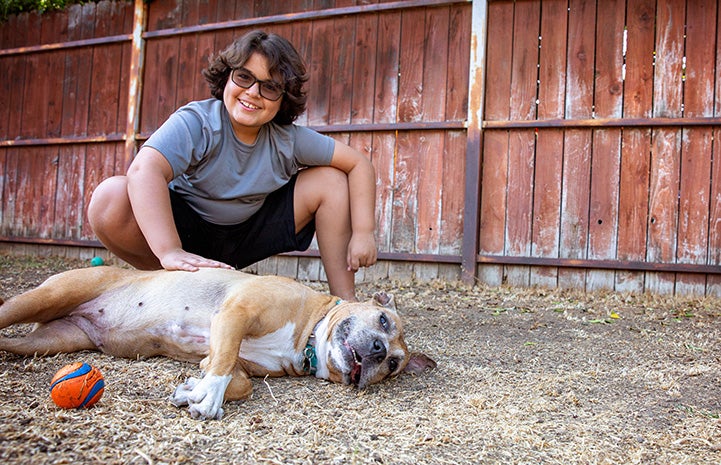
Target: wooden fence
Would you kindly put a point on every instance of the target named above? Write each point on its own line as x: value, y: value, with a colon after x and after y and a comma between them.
x: 599, y: 147
x: 557, y: 142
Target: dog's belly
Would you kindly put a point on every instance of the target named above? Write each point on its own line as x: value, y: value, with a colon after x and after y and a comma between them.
x: 130, y: 323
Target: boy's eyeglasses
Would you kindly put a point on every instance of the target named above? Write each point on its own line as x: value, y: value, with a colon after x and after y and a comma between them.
x: 267, y: 89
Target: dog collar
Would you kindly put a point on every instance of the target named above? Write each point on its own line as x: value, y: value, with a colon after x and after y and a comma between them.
x: 310, y: 358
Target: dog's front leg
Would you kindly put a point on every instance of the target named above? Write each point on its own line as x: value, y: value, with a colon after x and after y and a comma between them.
x: 205, y: 397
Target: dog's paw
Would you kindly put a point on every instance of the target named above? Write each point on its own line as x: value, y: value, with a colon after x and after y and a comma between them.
x: 180, y: 397
x: 197, y: 413
x: 203, y: 397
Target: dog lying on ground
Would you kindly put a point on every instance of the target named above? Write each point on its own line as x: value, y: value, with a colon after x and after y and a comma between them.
x: 235, y: 324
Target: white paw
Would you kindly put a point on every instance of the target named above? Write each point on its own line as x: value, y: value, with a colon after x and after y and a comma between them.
x: 204, y: 397
x: 180, y: 396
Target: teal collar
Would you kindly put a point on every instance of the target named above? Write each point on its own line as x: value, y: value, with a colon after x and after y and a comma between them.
x: 310, y: 358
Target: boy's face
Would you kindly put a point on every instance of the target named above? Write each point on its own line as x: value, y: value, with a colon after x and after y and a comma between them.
x: 249, y: 110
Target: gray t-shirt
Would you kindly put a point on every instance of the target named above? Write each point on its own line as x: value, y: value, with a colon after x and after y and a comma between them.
x: 222, y: 178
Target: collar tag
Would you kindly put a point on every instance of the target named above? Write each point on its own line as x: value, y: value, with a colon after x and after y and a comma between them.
x: 310, y: 359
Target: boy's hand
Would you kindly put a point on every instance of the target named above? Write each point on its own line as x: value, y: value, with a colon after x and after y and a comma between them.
x: 179, y: 259
x: 362, y: 251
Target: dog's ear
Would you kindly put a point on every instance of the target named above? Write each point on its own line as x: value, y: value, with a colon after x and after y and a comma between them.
x: 385, y: 300
x: 419, y: 363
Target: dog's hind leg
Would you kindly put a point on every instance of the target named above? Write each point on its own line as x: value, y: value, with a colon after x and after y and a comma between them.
x: 59, y: 336
x: 59, y: 295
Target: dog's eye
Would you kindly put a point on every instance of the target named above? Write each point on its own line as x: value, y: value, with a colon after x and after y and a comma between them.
x: 392, y: 365
x: 384, y: 322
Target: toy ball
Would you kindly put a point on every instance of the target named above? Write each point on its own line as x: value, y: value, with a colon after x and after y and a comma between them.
x: 77, y: 385
x: 97, y: 261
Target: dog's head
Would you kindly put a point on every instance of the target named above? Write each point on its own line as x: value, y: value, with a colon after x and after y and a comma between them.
x: 366, y: 343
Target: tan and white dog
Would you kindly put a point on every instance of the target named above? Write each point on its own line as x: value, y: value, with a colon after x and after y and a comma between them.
x: 235, y: 324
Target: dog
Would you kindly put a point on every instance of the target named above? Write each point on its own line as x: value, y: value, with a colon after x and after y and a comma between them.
x: 237, y: 325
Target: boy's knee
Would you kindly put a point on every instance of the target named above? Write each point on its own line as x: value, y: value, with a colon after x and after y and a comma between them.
x: 334, y: 180
x: 105, y: 198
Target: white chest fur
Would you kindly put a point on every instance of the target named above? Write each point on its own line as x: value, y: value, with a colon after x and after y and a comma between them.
x: 274, y: 351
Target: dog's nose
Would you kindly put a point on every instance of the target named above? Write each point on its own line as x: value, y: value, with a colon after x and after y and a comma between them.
x: 379, y: 350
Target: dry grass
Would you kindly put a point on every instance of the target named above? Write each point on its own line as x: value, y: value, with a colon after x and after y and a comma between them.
x: 524, y: 376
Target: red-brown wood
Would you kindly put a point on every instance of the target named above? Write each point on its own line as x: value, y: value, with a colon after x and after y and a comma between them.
x: 494, y: 177
x: 605, y: 164
x: 524, y: 76
x: 451, y: 228
x: 579, y: 176
x: 666, y: 143
x: 432, y: 143
x: 577, y: 143
x: 408, y: 155
x: 695, y: 176
x: 549, y: 143
x: 635, y: 149
x: 319, y: 67
x: 384, y: 111
x: 338, y: 75
x: 714, y: 255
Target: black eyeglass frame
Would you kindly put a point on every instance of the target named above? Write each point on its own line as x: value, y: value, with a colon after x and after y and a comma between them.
x: 274, y: 86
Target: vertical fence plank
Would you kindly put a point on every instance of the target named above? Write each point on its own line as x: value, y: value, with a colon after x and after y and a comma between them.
x: 17, y: 74
x: 188, y: 64
x: 524, y: 76
x: 78, y: 72
x: 338, y: 77
x: 549, y: 143
x: 454, y: 170
x: 577, y: 142
x: 431, y: 143
x: 387, y: 59
x: 35, y: 89
x: 636, y: 142
x: 301, y: 35
x: 319, y: 66
x: 9, y: 190
x: 36, y: 179
x: 103, y: 118
x: 666, y: 145
x: 362, y: 101
x: 52, y: 64
x: 696, y: 144
x: 364, y: 70
x: 713, y: 286
x: 605, y: 163
x: 161, y: 68
x: 207, y: 13
x: 410, y: 99
x: 70, y: 196
x: 494, y: 166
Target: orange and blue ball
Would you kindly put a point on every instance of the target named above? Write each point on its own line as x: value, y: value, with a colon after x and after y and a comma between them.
x: 77, y: 385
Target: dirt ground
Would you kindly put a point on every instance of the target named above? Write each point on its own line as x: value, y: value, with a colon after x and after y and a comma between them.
x: 523, y: 377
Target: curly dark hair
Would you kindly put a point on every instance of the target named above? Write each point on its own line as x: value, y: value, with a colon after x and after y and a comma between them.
x: 286, y: 66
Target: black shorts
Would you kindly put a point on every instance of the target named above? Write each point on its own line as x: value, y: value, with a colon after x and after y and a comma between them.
x: 270, y: 231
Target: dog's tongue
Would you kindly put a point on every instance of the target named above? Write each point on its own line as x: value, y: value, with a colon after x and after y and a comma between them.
x: 355, y: 374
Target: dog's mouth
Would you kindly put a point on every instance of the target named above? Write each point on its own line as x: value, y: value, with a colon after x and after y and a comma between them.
x: 357, y: 368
